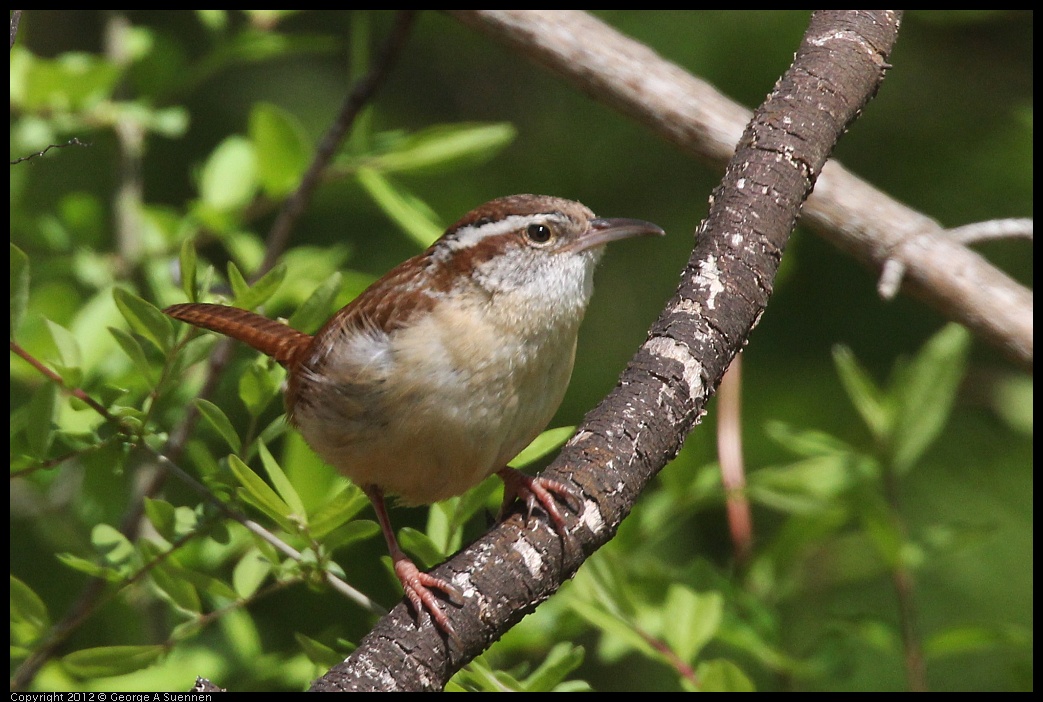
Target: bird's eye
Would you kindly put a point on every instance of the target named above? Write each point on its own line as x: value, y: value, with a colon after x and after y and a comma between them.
x: 538, y: 233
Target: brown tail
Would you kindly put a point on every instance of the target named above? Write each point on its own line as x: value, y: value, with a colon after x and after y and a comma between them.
x: 273, y: 338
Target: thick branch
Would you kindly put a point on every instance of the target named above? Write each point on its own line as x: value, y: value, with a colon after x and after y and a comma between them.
x: 857, y: 218
x: 639, y: 427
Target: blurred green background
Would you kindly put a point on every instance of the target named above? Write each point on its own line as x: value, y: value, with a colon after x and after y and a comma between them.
x: 950, y: 134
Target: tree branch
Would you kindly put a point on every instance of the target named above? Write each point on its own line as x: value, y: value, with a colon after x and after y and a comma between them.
x: 358, y: 98
x: 846, y: 211
x: 662, y: 394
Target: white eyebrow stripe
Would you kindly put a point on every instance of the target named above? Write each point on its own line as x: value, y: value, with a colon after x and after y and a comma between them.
x: 466, y: 237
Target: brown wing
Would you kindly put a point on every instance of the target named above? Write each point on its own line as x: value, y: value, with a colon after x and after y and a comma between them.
x: 281, y: 342
x: 388, y: 304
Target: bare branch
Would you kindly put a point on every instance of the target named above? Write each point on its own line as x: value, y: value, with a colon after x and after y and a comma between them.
x: 857, y: 218
x: 72, y: 142
x: 894, y: 269
x: 1014, y: 228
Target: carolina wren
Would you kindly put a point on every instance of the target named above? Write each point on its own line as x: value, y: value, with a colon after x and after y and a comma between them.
x: 448, y: 366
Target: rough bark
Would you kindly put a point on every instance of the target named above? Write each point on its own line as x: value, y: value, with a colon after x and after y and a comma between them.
x: 662, y: 394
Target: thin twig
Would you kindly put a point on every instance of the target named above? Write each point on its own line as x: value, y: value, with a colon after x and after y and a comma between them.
x: 72, y: 142
x: 1012, y: 228
x: 905, y: 593
x: 676, y: 662
x: 894, y: 267
x: 258, y: 530
x: 729, y: 453
x: 57, y: 380
x: 58, y: 460
x: 362, y: 93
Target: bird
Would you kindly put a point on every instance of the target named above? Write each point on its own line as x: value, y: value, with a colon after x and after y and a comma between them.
x: 445, y: 368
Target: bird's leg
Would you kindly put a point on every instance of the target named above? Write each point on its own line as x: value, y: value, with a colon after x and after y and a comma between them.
x: 541, y: 491
x: 416, y: 583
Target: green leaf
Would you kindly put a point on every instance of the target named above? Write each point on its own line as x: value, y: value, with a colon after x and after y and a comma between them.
x: 446, y: 147
x: 91, y: 568
x: 162, y: 515
x: 253, y: 46
x: 106, y: 661
x: 171, y: 122
x: 620, y: 630
x: 145, y: 319
x: 260, y: 495
x: 69, y: 356
x: 439, y: 528
x: 187, y: 262
x: 113, y: 546
x: 473, y: 501
x: 350, y: 533
x: 219, y: 421
x: 407, y: 211
x: 250, y: 572
x: 314, y: 311
x: 692, y: 621
x: 176, y: 588
x: 806, y: 486
x: 543, y: 444
x: 282, y: 147
x: 215, y: 20
x: 237, y: 281
x: 879, y: 635
x: 214, y: 588
x: 420, y: 545
x: 187, y: 629
x: 608, y: 584
x: 962, y: 640
x: 281, y: 483
x: 1013, y: 399
x: 926, y: 394
x: 809, y: 443
x: 261, y: 291
x: 19, y: 287
x: 133, y: 349
x: 344, y: 504
x: 240, y: 631
x: 602, y: 595
x: 478, y: 676
x: 319, y: 653
x: 29, y: 618
x: 229, y: 177
x: 188, y: 521
x: 258, y: 386
x: 721, y: 675
x: 276, y: 428
x: 66, y: 84
x: 864, y: 394
x: 562, y: 659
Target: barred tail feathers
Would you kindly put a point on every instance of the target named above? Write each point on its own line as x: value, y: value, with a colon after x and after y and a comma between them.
x: 275, y: 339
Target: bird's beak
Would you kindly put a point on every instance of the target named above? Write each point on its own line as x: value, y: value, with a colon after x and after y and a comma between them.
x: 603, y: 230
